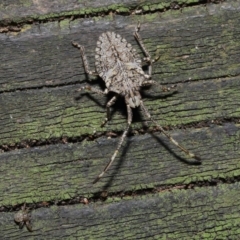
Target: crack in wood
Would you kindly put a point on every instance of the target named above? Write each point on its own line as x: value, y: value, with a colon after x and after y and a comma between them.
x: 104, y: 195
x: 9, y: 25
x: 113, y: 134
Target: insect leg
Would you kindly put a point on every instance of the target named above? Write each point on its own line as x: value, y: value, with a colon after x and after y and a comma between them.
x: 148, y: 58
x: 92, y: 89
x: 84, y: 58
x: 140, y: 42
x: 129, y: 110
x: 152, y: 82
x: 29, y: 227
x: 109, y: 104
x: 192, y: 155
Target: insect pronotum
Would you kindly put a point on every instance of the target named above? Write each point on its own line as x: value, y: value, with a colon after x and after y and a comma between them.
x: 119, y: 65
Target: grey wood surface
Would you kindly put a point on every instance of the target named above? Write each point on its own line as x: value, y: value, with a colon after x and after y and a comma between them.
x: 21, y: 11
x: 52, y: 145
x: 200, y: 213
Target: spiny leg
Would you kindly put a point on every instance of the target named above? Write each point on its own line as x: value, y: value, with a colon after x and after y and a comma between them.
x: 148, y: 58
x: 93, y: 89
x: 109, y: 104
x: 140, y: 42
x: 192, y: 155
x: 84, y: 58
x: 129, y: 111
x: 152, y: 82
x: 86, y: 67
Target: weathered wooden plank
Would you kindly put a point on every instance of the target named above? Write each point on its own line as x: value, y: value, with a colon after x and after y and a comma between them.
x: 200, y: 213
x: 48, y: 113
x: 64, y: 171
x: 200, y: 45
x: 42, y: 55
x: 20, y: 11
x: 62, y: 112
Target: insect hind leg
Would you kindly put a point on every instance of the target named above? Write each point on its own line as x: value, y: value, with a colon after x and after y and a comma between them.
x: 129, y: 111
x: 147, y: 114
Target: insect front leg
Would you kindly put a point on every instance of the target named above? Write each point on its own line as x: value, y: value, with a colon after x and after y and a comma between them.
x: 147, y: 114
x: 84, y: 58
x: 86, y: 67
x: 148, y: 58
x: 129, y: 111
x: 140, y: 42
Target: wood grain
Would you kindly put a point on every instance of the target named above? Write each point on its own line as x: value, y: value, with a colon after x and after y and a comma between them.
x: 201, y: 213
x: 55, y: 146
x: 65, y: 170
x: 28, y: 11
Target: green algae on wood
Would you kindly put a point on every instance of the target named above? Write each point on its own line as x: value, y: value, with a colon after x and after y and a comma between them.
x: 200, y: 213
x: 63, y: 112
x: 64, y: 170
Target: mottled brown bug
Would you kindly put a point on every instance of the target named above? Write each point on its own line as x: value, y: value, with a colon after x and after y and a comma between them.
x: 23, y: 217
x: 119, y: 65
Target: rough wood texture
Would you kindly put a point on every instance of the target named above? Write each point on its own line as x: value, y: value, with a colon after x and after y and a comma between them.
x: 62, y: 171
x: 40, y: 71
x: 22, y: 11
x: 202, y: 213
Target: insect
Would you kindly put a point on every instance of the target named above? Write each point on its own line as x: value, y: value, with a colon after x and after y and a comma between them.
x: 23, y: 217
x: 119, y: 65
